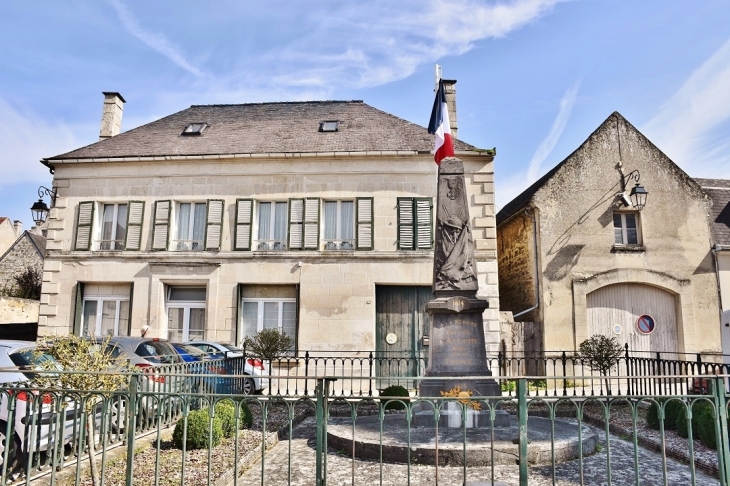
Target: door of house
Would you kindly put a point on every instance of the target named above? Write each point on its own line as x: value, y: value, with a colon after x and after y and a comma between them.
x: 401, y: 323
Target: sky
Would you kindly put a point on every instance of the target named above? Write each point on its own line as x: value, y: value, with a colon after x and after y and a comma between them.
x: 534, y: 77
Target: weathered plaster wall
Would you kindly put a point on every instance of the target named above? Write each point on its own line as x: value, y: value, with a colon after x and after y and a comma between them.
x: 18, y: 311
x: 577, y: 237
x: 7, y: 236
x: 23, y: 256
x: 337, y: 290
x: 516, y: 261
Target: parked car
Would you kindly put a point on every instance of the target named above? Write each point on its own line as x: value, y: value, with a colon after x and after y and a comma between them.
x: 31, y: 429
x: 253, y: 367
x: 213, y: 374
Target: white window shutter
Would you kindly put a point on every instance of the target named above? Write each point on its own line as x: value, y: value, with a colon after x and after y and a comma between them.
x: 296, y: 224
x: 405, y: 223
x: 364, y: 227
x: 214, y: 224
x: 161, y: 225
x: 244, y: 213
x: 424, y: 223
x: 135, y: 217
x: 84, y: 224
x: 311, y: 224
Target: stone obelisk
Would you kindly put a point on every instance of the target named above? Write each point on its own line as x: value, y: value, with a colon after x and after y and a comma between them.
x: 456, y: 349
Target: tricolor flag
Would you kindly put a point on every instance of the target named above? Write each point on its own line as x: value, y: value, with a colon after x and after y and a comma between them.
x: 440, y: 126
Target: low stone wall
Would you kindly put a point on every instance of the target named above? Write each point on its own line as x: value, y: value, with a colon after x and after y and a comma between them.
x: 16, y: 311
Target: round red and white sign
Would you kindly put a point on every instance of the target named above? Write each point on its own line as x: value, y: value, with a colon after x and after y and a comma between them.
x: 645, y: 324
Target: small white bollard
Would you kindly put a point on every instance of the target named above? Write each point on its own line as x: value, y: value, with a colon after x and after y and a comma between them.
x: 453, y: 411
x: 472, y: 418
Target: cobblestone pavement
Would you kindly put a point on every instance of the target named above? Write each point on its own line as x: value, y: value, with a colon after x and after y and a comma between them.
x: 340, y: 468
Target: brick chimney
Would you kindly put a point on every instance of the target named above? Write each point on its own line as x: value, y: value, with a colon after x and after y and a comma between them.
x: 450, y: 92
x: 18, y: 228
x: 111, y: 115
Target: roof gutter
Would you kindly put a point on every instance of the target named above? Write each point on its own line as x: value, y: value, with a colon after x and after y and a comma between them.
x: 51, y: 169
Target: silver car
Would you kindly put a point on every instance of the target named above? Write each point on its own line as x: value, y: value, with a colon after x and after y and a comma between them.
x: 31, y: 429
x: 253, y: 367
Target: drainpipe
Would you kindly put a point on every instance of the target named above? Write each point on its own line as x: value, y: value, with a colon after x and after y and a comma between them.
x: 531, y: 214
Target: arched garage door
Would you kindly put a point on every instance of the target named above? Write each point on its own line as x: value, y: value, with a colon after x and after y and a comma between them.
x: 622, y: 304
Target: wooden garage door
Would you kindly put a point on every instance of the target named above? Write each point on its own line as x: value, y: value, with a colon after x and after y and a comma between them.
x: 622, y: 304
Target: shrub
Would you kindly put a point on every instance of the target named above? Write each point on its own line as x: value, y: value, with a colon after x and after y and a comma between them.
x: 198, y: 431
x: 508, y: 386
x: 393, y: 403
x: 673, y: 414
x: 225, y: 410
x: 706, y: 427
x: 697, y: 409
x: 269, y: 344
x: 601, y: 354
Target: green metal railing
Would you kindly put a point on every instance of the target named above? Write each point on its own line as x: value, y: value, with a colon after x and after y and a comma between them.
x: 592, y: 439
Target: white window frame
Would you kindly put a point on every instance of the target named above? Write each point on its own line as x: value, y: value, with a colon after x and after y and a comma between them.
x: 115, y: 243
x: 188, y: 244
x: 100, y: 299
x: 624, y: 229
x: 338, y: 243
x: 271, y: 244
x: 260, y: 313
x: 186, y: 305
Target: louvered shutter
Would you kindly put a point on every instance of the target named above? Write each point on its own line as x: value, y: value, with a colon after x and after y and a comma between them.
x: 405, y: 223
x: 135, y: 216
x: 244, y: 212
x: 364, y: 223
x: 214, y: 224
x: 84, y: 223
x: 296, y: 224
x: 311, y: 224
x: 162, y: 225
x: 424, y: 223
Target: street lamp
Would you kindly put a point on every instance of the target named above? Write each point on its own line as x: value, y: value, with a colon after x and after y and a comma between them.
x: 637, y: 197
x: 39, y: 208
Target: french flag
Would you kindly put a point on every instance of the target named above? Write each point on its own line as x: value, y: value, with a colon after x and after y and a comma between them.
x: 440, y: 126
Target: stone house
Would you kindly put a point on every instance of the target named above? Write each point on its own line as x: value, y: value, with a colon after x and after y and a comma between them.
x: 577, y: 258
x: 19, y: 317
x: 217, y: 221
x: 9, y: 232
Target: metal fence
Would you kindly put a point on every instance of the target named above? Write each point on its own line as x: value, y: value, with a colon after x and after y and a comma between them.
x: 592, y: 432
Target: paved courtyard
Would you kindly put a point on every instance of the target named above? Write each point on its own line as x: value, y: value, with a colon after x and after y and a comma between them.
x: 341, y: 469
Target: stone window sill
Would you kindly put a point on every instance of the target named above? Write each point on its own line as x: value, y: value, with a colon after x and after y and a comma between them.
x: 628, y: 249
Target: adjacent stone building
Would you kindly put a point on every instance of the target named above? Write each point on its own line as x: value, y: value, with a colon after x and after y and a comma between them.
x: 576, y: 258
x: 9, y: 232
x: 26, y: 252
x: 217, y: 221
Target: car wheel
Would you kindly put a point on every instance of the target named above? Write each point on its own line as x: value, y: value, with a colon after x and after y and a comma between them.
x: 248, y: 387
x: 15, y: 459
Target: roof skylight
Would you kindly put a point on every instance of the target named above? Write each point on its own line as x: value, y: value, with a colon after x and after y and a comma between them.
x: 329, y: 126
x: 194, y: 129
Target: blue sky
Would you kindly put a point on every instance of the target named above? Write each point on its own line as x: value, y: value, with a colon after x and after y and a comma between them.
x: 535, y: 77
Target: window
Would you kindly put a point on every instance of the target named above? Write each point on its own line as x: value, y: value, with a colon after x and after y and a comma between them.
x: 197, y: 226
x: 273, y: 313
x: 105, y: 316
x: 415, y: 223
x: 626, y: 229
x: 185, y: 313
x: 339, y: 225
x: 329, y: 126
x: 272, y: 226
x: 194, y: 129
x: 113, y: 227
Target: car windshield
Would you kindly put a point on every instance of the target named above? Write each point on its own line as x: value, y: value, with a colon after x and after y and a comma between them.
x: 191, y: 350
x: 157, y: 352
x: 27, y: 359
x: 232, y: 348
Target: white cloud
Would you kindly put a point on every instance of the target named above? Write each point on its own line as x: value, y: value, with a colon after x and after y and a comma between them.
x: 548, y: 144
x: 155, y: 41
x: 27, y: 139
x: 684, y: 128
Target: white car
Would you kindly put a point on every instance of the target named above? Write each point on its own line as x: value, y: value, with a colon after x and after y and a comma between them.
x: 31, y: 429
x: 253, y: 367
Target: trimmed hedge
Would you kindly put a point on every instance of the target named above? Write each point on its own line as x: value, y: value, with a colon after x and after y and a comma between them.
x: 225, y: 410
x: 698, y: 408
x: 673, y: 414
x: 199, y: 426
x: 395, y: 403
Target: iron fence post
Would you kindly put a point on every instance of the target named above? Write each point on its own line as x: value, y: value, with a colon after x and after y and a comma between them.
x: 131, y: 425
x: 370, y: 374
x: 723, y: 449
x: 306, y: 373
x: 322, y: 391
x: 564, y: 359
x: 522, y: 420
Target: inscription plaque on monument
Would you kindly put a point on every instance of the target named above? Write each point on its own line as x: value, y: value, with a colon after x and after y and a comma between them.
x: 457, y: 349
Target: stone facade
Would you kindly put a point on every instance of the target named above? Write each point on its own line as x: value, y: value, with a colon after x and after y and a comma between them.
x: 18, y: 311
x: 334, y: 290
x: 7, y: 235
x: 577, y: 205
x: 26, y: 252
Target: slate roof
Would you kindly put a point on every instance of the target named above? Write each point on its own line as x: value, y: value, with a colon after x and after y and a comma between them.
x: 719, y: 191
x: 38, y: 241
x: 287, y: 127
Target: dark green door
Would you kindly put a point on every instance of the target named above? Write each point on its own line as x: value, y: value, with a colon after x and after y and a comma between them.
x: 400, y: 324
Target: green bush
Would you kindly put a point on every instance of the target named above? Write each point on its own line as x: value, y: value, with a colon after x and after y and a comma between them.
x: 673, y: 414
x: 225, y: 410
x: 198, y: 431
x: 394, y: 403
x: 697, y: 409
x: 706, y: 427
